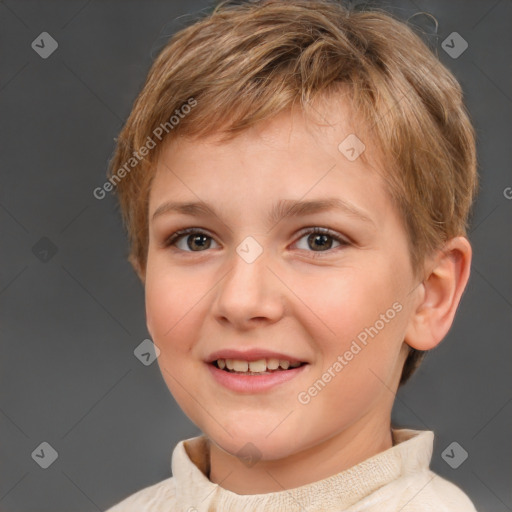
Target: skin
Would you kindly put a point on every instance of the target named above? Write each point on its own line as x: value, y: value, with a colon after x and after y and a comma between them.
x: 200, y: 300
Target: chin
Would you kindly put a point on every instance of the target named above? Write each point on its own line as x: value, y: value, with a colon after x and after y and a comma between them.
x: 253, y: 444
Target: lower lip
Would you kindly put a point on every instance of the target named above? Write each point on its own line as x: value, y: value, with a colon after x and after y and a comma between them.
x: 253, y: 383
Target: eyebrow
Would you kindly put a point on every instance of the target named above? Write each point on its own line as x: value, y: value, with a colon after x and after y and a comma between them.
x: 282, y: 209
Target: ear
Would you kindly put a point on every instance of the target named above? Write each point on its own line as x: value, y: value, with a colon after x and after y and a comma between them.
x: 439, y: 295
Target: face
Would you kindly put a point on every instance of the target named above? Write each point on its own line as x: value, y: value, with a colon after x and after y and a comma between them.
x: 242, y: 279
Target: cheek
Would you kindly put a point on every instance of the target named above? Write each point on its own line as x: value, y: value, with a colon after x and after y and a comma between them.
x: 169, y: 300
x: 350, y: 301
x: 172, y: 309
x: 358, y: 363
x: 365, y: 321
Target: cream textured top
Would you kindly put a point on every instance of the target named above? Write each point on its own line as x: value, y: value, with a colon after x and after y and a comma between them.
x: 397, y: 479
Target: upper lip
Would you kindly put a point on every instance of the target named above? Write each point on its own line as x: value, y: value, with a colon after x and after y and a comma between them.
x: 253, y: 354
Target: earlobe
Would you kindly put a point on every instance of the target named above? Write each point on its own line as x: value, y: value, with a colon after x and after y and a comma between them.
x: 440, y: 295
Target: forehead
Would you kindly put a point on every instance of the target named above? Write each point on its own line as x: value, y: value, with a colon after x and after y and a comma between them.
x: 295, y: 154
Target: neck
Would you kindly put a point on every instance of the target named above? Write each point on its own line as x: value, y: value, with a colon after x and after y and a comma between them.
x: 353, y: 445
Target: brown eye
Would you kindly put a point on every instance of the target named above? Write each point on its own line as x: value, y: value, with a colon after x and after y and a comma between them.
x: 189, y: 240
x: 198, y: 241
x: 321, y: 240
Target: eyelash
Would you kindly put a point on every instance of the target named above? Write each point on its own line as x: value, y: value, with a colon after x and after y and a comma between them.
x: 173, y: 239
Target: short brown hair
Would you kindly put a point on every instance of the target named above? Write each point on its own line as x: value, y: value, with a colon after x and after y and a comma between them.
x: 245, y: 63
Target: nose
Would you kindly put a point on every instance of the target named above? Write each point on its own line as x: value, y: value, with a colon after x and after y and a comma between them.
x: 250, y: 294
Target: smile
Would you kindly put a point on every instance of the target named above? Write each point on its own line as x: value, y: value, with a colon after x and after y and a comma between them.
x: 246, y: 381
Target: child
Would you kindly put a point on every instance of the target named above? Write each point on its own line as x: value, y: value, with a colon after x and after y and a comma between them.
x: 263, y: 131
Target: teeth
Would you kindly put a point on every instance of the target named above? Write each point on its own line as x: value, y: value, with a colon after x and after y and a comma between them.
x: 273, y: 364
x: 240, y: 366
x: 259, y: 366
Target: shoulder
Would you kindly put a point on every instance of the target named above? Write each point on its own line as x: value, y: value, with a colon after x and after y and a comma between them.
x: 432, y: 493
x: 150, y: 499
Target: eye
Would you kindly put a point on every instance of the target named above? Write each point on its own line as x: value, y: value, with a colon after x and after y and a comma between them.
x: 321, y: 239
x: 195, y: 240
x: 189, y: 240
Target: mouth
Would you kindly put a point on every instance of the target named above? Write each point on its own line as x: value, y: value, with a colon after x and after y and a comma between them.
x: 256, y: 368
x: 260, y: 376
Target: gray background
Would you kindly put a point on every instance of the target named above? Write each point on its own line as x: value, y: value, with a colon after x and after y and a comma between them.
x: 70, y: 321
